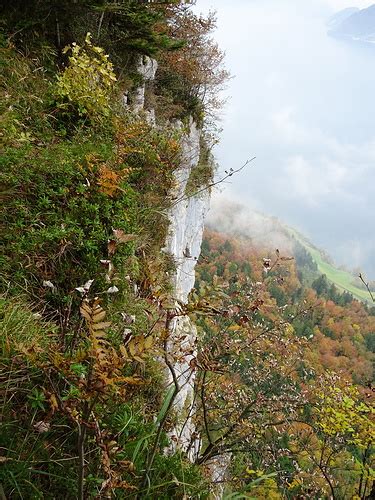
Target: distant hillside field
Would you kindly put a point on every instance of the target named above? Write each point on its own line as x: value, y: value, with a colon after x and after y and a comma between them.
x: 342, y: 279
x: 269, y: 232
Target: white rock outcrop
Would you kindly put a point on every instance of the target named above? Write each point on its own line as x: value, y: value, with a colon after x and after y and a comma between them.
x: 186, y: 217
x: 184, y: 240
x: 186, y: 225
x: 147, y: 68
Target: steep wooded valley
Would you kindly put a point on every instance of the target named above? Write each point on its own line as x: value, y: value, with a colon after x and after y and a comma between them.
x: 143, y: 355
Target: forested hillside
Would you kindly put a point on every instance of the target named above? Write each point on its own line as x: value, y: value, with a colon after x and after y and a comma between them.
x: 286, y: 389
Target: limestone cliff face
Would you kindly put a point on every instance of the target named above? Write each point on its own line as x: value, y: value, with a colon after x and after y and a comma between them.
x: 184, y: 240
x: 186, y: 225
x: 186, y: 217
x: 146, y: 68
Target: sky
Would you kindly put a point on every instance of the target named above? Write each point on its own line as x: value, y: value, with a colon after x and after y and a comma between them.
x: 302, y: 103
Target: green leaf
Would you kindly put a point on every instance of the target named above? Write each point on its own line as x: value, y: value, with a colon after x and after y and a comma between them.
x: 164, y: 408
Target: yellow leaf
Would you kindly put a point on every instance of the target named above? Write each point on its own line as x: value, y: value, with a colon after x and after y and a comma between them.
x: 98, y: 316
x: 250, y: 471
x: 132, y: 380
x: 101, y: 326
x: 99, y: 334
x: 86, y: 311
x: 149, y: 341
x: 132, y: 348
x: 85, y: 314
x: 86, y: 305
x: 53, y: 402
x: 234, y: 328
x: 140, y: 343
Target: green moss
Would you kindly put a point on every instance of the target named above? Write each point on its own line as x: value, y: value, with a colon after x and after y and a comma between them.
x: 58, y: 224
x: 202, y: 175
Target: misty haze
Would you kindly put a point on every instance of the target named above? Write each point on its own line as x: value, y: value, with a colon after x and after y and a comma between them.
x: 187, y: 304
x: 302, y: 102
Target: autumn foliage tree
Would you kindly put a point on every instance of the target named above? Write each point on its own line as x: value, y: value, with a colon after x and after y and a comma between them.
x: 193, y: 74
x: 271, y: 398
x: 334, y: 449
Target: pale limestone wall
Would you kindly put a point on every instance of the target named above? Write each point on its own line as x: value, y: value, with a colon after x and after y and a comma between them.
x: 147, y: 68
x: 186, y: 226
x: 184, y: 240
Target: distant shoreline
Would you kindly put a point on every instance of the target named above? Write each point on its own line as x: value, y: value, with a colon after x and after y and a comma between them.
x: 351, y: 39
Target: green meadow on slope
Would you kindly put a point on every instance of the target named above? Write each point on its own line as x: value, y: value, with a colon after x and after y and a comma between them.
x: 342, y: 279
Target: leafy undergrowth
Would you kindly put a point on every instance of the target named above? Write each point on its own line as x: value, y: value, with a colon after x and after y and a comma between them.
x: 86, y: 292
x: 54, y: 398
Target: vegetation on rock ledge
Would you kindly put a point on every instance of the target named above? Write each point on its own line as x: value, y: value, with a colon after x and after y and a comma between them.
x: 86, y: 298
x: 87, y: 303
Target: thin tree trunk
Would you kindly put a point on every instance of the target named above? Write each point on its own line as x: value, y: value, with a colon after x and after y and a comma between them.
x: 81, y: 461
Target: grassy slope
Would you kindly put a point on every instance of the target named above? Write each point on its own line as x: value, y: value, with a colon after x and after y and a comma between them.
x: 342, y: 279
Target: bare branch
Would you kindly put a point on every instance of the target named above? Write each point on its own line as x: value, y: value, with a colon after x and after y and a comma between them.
x: 367, y: 285
x: 230, y: 173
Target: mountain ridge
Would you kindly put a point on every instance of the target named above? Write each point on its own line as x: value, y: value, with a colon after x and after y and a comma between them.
x: 340, y: 16
x: 268, y: 231
x: 358, y: 26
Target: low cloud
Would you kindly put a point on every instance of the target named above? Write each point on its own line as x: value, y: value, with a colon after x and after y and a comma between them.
x: 312, y: 182
x: 325, y: 168
x: 285, y: 127
x: 236, y: 219
x: 338, y: 5
x: 302, y: 103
